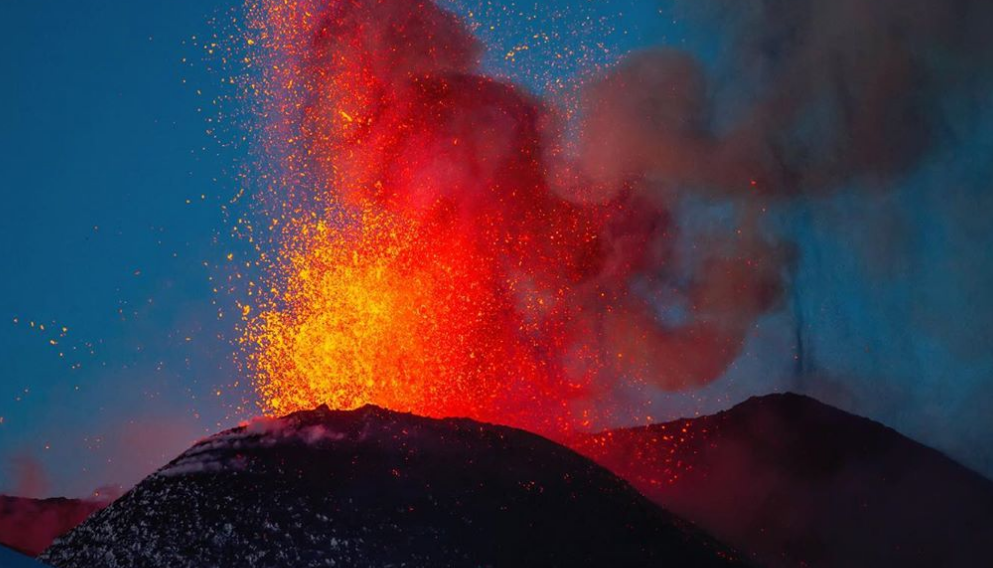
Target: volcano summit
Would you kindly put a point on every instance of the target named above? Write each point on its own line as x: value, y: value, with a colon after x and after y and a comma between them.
x: 372, y: 487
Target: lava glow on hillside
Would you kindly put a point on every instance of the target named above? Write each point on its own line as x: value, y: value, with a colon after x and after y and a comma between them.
x: 441, y: 253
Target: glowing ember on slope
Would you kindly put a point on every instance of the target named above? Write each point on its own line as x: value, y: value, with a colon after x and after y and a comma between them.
x: 431, y: 261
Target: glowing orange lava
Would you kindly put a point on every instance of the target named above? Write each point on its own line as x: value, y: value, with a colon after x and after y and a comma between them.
x: 403, y: 315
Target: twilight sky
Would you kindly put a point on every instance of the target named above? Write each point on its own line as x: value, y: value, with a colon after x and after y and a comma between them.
x: 113, y: 229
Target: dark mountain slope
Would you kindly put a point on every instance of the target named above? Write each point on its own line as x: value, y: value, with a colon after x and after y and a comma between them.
x: 30, y: 525
x: 377, y: 488
x: 795, y: 482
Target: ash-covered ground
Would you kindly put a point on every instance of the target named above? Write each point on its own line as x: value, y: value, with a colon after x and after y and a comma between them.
x: 376, y: 488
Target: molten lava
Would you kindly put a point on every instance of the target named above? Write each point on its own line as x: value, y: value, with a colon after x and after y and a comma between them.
x: 406, y: 315
x: 441, y: 259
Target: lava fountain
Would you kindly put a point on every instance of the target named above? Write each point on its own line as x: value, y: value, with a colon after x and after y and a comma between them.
x: 440, y: 253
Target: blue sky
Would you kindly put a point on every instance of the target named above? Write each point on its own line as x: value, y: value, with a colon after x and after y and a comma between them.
x: 102, y: 148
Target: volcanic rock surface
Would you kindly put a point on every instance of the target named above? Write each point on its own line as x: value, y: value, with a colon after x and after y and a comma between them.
x: 793, y: 482
x: 377, y: 488
x: 30, y: 525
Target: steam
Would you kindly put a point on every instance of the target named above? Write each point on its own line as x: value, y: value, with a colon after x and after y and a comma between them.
x: 810, y: 94
x: 29, y: 476
x: 805, y: 98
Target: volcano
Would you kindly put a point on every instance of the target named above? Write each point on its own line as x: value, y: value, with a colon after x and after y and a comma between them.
x: 794, y: 482
x: 372, y: 487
